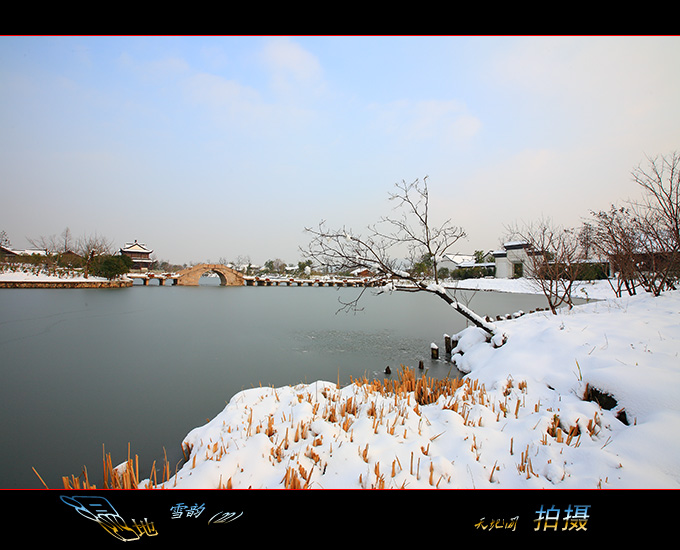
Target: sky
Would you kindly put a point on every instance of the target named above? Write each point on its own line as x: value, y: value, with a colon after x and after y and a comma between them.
x: 218, y: 147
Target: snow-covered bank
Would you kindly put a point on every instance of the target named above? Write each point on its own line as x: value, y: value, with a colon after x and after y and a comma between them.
x: 38, y: 277
x: 39, y: 274
x: 599, y: 289
x: 519, y: 420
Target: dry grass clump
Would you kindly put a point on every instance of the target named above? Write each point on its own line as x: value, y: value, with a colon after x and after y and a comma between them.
x: 384, y: 406
x: 123, y: 476
x: 406, y: 388
x: 425, y: 390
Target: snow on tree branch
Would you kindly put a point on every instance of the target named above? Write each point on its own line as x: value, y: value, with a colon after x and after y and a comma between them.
x: 343, y: 250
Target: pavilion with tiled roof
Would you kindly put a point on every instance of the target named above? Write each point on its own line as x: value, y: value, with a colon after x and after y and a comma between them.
x: 139, y: 254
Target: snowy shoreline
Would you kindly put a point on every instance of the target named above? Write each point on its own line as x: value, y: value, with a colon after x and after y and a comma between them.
x: 598, y: 290
x: 519, y: 421
x: 39, y: 278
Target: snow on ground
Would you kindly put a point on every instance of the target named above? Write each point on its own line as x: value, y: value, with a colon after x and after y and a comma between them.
x: 39, y: 275
x: 519, y: 419
x: 583, y: 289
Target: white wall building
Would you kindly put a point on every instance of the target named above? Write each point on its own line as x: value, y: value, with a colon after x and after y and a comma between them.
x: 513, y: 260
x: 455, y: 261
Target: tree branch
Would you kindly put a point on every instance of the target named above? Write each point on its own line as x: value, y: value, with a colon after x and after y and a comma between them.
x: 343, y: 250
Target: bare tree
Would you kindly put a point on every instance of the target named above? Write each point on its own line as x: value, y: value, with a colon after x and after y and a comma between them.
x: 412, y: 234
x: 54, y: 244
x: 91, y: 246
x: 66, y: 244
x: 642, y: 239
x: 614, y: 238
x: 49, y: 244
x: 4, y: 239
x: 585, y: 239
x: 554, y: 260
x: 660, y: 181
x: 658, y: 219
x: 277, y: 266
x: 414, y: 227
x: 656, y: 259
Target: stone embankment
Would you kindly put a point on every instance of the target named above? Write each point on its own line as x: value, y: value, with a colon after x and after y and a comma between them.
x: 67, y: 284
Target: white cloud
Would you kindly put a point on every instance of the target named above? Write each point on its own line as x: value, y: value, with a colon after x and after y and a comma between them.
x: 221, y: 93
x: 439, y: 121
x: 506, y: 128
x: 597, y: 85
x: 215, y: 56
x: 231, y: 106
x: 291, y: 67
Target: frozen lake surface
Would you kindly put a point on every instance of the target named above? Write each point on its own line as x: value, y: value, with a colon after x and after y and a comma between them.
x: 82, y: 369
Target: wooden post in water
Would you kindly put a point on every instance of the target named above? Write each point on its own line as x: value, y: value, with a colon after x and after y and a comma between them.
x: 447, y: 344
x: 434, y: 350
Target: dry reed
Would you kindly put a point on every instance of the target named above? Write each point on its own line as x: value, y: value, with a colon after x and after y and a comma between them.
x: 405, y: 394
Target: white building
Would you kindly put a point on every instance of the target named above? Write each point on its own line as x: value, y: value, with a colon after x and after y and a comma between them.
x: 455, y: 261
x: 513, y: 260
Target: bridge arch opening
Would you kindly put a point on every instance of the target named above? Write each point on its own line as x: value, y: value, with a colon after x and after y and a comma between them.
x: 212, y: 277
x: 192, y: 276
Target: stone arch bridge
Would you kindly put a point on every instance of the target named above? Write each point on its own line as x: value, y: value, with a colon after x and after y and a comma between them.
x: 230, y: 277
x: 191, y: 275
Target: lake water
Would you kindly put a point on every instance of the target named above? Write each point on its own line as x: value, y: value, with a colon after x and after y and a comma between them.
x: 143, y: 366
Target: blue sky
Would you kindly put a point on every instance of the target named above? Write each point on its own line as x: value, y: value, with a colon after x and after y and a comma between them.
x: 218, y: 147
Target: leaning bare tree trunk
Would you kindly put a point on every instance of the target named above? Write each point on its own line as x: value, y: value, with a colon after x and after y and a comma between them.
x: 466, y: 312
x: 342, y: 250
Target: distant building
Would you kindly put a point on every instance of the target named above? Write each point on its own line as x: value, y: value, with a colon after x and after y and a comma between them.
x: 514, y: 260
x: 361, y: 272
x: 139, y: 254
x: 467, y: 265
x: 456, y: 261
x: 9, y: 251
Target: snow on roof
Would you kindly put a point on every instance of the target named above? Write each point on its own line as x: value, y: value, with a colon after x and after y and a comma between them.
x: 515, y: 244
x: 27, y: 251
x: 135, y: 247
x: 458, y: 258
